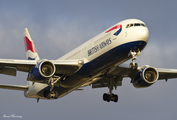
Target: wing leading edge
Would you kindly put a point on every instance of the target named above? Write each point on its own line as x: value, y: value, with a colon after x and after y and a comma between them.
x: 167, y: 73
x: 10, y: 66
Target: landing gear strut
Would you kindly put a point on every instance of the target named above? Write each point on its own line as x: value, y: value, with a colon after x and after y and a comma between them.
x: 133, y: 53
x: 110, y: 96
x: 51, y: 93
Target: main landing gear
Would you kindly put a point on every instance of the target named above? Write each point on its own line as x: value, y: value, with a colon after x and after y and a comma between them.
x: 110, y: 96
x: 51, y: 93
x: 134, y: 53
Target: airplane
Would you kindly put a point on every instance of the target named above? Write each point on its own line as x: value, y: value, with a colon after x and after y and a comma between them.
x: 99, y: 62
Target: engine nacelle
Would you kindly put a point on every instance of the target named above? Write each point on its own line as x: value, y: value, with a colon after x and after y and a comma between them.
x: 146, y: 77
x: 42, y: 71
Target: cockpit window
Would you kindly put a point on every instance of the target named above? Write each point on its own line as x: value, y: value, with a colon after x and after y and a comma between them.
x: 135, y: 24
x: 143, y: 25
x: 127, y: 26
x: 131, y: 25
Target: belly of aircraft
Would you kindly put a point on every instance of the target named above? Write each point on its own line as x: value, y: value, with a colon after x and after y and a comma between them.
x: 99, y: 65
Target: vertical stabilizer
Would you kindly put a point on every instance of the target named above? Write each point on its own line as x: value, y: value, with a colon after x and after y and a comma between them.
x: 31, y: 53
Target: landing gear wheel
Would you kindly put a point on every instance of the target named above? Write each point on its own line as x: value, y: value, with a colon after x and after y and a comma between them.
x: 105, y: 96
x: 108, y: 98
x: 46, y: 92
x: 56, y: 95
x: 136, y: 66
x: 115, y: 98
x: 131, y: 65
x: 49, y: 96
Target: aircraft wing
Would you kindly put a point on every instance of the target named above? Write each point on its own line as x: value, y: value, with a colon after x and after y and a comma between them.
x: 20, y: 65
x: 123, y: 70
x: 66, y: 67
x: 167, y: 73
x: 10, y: 66
x: 15, y: 87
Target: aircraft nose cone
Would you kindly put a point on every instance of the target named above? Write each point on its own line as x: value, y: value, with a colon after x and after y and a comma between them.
x: 144, y: 34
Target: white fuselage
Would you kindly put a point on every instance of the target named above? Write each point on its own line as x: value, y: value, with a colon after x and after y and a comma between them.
x: 109, y: 48
x: 126, y: 35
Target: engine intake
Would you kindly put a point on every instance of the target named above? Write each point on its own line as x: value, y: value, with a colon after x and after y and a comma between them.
x: 42, y: 71
x: 47, y: 69
x: 146, y: 77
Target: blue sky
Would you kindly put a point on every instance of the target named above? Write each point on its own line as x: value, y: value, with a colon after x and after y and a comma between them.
x: 59, y: 26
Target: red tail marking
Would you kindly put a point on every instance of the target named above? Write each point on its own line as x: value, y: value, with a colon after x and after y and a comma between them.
x: 29, y: 45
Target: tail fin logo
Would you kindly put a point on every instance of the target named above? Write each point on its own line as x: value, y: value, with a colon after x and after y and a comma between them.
x: 115, y: 27
x: 29, y: 45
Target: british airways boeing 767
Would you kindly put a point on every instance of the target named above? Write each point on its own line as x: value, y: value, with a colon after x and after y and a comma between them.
x: 97, y: 62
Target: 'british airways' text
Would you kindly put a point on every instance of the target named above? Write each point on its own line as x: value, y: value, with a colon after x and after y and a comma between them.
x: 99, y: 46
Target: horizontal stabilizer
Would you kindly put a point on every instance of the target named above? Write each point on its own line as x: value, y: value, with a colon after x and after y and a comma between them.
x: 14, y: 87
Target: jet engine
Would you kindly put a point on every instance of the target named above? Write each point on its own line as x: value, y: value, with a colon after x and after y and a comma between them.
x: 42, y: 71
x: 146, y: 77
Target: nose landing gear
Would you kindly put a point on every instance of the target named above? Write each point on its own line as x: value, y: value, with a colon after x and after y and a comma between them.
x: 134, y: 53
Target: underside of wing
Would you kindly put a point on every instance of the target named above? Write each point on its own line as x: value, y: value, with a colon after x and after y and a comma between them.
x: 144, y: 76
x: 115, y: 76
